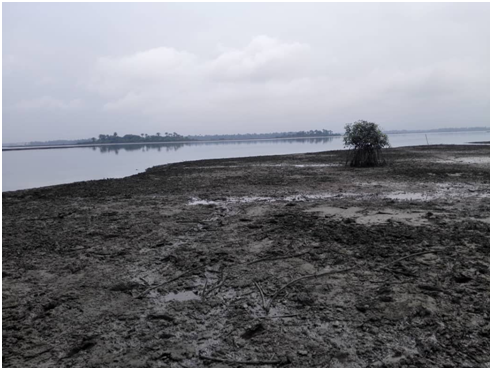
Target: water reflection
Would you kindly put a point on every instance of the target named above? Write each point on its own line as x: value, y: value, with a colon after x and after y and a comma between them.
x: 139, y: 147
x: 24, y: 169
x: 172, y: 147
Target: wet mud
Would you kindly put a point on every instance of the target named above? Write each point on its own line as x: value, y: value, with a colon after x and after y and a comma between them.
x: 279, y: 261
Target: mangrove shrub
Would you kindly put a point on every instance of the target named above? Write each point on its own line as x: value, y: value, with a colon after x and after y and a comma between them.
x: 365, y: 141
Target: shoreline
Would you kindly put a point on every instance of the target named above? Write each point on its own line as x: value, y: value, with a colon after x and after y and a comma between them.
x: 293, y: 259
x: 471, y: 144
x: 89, y: 145
x: 159, y: 143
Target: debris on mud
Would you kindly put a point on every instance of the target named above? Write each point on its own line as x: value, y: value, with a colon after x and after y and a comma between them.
x: 278, y: 261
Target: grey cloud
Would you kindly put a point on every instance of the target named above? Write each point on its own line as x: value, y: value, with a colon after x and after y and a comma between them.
x: 265, y: 74
x: 163, y: 79
x: 48, y: 102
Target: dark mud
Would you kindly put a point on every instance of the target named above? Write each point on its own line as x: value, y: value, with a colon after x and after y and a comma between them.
x: 289, y: 261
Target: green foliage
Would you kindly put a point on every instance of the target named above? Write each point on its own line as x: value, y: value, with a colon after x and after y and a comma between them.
x: 365, y: 139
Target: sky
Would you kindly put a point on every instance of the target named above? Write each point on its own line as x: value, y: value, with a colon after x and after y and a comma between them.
x: 76, y: 70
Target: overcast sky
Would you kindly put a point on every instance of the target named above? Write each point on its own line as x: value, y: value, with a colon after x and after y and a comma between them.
x: 74, y: 71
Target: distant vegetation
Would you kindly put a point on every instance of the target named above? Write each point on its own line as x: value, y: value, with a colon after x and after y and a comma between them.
x: 142, y: 138
x: 173, y: 137
x: 57, y: 142
x: 271, y: 135
x: 170, y: 137
x: 449, y: 129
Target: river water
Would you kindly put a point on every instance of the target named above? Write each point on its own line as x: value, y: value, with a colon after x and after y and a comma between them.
x: 26, y: 169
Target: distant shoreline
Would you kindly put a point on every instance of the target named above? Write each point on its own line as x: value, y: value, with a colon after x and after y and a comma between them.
x: 67, y: 146
x: 90, y: 145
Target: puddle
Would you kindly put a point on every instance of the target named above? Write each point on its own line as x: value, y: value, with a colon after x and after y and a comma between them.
x: 441, y: 191
x: 196, y: 167
x: 256, y: 211
x: 475, y: 160
x: 336, y: 211
x: 317, y: 165
x: 463, y: 191
x: 467, y: 160
x: 410, y: 196
x: 269, y: 165
x: 180, y: 296
x: 410, y: 218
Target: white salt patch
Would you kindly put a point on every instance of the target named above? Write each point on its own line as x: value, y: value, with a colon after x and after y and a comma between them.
x: 290, y: 198
x: 196, y: 202
x: 249, y: 199
x: 306, y: 197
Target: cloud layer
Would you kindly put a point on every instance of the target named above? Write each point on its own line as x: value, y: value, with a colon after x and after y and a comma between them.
x: 48, y: 103
x: 164, y: 81
x: 270, y: 79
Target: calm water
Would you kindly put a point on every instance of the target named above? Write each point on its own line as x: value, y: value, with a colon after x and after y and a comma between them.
x: 35, y: 168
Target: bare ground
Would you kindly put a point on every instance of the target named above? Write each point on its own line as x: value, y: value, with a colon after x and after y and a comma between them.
x: 288, y: 261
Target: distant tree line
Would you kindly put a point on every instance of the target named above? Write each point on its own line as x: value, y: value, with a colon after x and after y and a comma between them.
x: 58, y: 142
x: 271, y: 135
x: 449, y: 129
x: 169, y: 137
x: 142, y: 138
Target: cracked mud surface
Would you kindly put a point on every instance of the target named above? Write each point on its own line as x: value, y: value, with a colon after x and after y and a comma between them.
x: 189, y: 264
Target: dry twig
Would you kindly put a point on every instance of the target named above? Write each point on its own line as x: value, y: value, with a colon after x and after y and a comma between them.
x: 411, y: 255
x: 304, y: 278
x: 259, y: 362
x: 278, y: 317
x: 221, y: 282
x: 262, y: 296
x: 204, y: 288
x: 167, y: 282
x: 278, y: 258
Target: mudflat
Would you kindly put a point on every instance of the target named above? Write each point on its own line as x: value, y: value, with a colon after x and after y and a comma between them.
x: 280, y: 261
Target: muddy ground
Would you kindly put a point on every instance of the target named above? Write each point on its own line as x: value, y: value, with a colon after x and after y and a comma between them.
x: 196, y: 265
